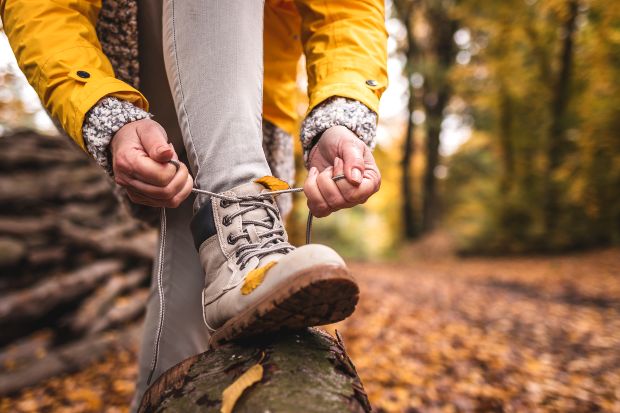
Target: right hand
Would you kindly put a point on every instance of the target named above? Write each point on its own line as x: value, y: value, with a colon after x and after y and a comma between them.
x: 140, y: 155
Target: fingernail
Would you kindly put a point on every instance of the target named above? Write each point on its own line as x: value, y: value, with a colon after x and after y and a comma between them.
x: 162, y: 149
x: 356, y: 174
x: 313, y: 171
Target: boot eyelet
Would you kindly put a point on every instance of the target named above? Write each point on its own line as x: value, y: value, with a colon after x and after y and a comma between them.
x: 230, y: 240
x: 226, y: 221
x: 224, y: 203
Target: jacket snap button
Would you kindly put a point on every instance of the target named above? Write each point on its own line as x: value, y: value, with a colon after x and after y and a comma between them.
x: 372, y: 82
x: 83, y: 74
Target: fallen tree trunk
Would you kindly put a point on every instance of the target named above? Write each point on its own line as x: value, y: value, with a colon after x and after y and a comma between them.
x: 307, y: 370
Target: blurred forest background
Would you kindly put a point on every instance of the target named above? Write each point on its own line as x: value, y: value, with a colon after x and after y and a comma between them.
x: 501, y: 126
x: 499, y: 140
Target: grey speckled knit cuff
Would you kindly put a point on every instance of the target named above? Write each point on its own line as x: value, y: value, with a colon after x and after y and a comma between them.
x: 339, y: 111
x: 101, y: 123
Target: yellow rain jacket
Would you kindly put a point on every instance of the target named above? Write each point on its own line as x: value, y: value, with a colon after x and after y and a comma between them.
x: 344, y: 41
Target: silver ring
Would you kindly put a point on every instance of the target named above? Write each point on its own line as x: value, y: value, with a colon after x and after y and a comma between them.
x: 338, y: 177
x: 176, y: 163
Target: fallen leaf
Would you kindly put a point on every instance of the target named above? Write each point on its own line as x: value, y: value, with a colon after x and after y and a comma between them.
x: 272, y: 183
x: 255, y: 278
x: 231, y: 394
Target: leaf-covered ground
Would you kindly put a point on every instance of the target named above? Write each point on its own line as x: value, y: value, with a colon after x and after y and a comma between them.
x: 444, y: 334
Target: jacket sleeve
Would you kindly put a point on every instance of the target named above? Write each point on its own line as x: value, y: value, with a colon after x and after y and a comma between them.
x: 345, y: 43
x: 56, y: 46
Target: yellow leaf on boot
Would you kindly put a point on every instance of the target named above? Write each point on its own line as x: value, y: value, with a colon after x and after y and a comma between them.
x: 272, y: 183
x: 231, y: 394
x: 255, y: 278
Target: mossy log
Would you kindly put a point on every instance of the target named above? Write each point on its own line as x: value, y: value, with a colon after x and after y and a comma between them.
x: 305, y: 371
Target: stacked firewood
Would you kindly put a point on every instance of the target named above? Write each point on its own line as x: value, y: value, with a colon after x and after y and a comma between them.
x: 74, y: 267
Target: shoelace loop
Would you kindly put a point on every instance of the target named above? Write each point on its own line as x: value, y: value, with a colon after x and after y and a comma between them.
x: 265, y: 195
x: 271, y: 241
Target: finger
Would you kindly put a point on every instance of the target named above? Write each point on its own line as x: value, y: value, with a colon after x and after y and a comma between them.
x: 155, y: 141
x: 330, y: 192
x: 183, y: 194
x: 338, y: 167
x: 372, y: 170
x: 317, y: 205
x: 167, y: 192
x: 138, y: 198
x: 359, y: 194
x: 353, y: 157
x: 152, y: 172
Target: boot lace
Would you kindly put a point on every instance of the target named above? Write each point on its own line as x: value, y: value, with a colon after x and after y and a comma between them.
x: 271, y: 240
x: 260, y: 198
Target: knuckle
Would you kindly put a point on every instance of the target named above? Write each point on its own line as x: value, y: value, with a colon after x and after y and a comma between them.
x: 358, y: 198
x: 332, y: 200
x: 176, y: 201
x: 149, y: 128
x: 168, y: 192
x: 121, y: 164
x: 350, y: 196
x: 162, y: 178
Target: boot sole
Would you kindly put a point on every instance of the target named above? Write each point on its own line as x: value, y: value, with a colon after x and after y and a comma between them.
x: 317, y: 296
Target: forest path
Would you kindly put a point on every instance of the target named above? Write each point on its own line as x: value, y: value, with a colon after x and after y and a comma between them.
x: 446, y: 334
x: 490, y: 334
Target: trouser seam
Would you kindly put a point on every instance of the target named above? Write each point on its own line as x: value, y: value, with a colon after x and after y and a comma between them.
x: 162, y: 301
x: 178, y: 79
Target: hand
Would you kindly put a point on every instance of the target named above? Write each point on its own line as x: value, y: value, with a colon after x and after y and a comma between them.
x: 140, y: 155
x: 340, y: 151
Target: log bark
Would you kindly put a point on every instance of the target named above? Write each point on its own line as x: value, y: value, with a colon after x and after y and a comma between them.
x: 26, y: 226
x: 112, y: 241
x: 67, y: 359
x: 25, y: 350
x: 99, y: 303
x: 58, y: 184
x: 126, y: 309
x: 39, y: 299
x: 308, y: 369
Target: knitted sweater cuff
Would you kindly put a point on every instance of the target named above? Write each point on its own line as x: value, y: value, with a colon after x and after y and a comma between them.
x: 338, y: 111
x: 101, y: 123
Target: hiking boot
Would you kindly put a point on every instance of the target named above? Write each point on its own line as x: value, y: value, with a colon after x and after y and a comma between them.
x: 256, y: 282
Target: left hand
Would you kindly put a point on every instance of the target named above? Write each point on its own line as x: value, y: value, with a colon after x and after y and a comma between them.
x: 340, y: 151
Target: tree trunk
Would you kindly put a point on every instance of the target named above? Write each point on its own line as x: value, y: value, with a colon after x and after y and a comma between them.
x: 556, y: 147
x: 505, y: 138
x: 436, y: 97
x: 409, y: 212
x: 433, y: 130
x: 405, y: 10
x: 306, y: 370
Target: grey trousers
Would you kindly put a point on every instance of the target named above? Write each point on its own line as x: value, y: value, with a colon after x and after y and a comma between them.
x: 201, y: 70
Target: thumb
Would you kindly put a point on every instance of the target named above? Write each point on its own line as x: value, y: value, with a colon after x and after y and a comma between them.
x: 155, y: 143
x: 353, y: 157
